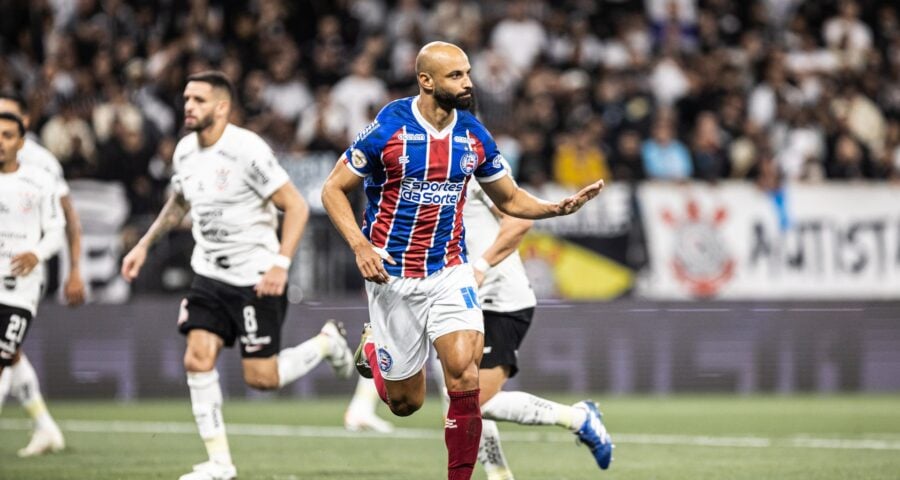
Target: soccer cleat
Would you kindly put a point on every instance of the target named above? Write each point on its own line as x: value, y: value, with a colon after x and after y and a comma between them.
x: 359, y: 422
x: 340, y: 358
x: 593, y: 434
x: 362, y: 363
x: 43, y: 440
x: 211, y: 470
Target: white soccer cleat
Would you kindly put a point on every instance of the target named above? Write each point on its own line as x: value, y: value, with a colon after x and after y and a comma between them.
x: 211, y: 470
x: 361, y: 422
x: 340, y: 357
x: 44, y: 440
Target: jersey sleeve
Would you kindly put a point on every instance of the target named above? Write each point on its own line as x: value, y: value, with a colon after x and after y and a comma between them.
x: 493, y: 167
x: 365, y: 153
x: 263, y: 172
x: 52, y: 222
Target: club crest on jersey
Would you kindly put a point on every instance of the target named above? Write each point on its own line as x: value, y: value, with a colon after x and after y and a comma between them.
x: 358, y: 158
x: 222, y: 179
x: 385, y: 361
x: 467, y: 162
x: 27, y: 203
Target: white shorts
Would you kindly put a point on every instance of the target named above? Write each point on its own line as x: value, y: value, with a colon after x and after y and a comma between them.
x: 408, y: 314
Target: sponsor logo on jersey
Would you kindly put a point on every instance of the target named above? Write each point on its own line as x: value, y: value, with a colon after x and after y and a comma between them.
x: 467, y: 162
x: 9, y: 282
x: 358, y: 158
x: 411, y: 137
x: 403, y: 159
x: 260, y: 174
x: 430, y: 193
x: 499, y: 162
x: 366, y: 132
x: 449, y: 423
x: 385, y: 361
x: 462, y: 139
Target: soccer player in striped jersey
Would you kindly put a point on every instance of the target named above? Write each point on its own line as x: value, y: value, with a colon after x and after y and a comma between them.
x: 415, y: 161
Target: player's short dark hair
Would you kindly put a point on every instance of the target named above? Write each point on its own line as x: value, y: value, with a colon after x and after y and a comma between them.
x: 14, y: 118
x: 15, y: 98
x: 215, y: 78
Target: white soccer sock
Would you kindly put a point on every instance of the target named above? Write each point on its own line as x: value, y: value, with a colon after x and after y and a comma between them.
x: 527, y: 409
x: 24, y: 386
x: 5, y: 383
x: 365, y: 397
x: 206, y: 403
x: 490, y: 453
x: 296, y: 362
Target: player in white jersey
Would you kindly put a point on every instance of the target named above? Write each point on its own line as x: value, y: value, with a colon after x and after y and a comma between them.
x: 31, y: 230
x: 231, y: 182
x: 508, y: 302
x: 21, y: 379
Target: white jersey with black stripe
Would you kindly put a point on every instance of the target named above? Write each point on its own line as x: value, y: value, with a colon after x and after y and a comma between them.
x: 506, y: 287
x: 228, y: 186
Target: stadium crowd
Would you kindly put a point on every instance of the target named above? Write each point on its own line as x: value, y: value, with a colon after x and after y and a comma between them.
x: 572, y: 89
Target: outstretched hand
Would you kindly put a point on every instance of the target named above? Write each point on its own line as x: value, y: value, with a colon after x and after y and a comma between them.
x: 370, y: 260
x: 573, y: 203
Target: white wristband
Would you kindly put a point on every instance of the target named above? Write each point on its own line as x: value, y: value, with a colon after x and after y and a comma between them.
x: 481, y: 265
x: 282, y: 261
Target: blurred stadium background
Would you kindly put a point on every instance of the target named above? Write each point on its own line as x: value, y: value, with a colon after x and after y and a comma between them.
x: 747, y: 244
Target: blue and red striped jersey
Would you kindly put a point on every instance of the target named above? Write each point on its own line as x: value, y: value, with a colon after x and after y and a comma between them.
x: 415, y: 183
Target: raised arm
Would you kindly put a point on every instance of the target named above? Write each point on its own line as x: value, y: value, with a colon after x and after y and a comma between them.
x: 335, y: 193
x: 296, y: 215
x: 171, y: 215
x: 513, y: 200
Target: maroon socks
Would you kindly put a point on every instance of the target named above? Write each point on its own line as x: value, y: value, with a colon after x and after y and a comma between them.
x: 462, y: 432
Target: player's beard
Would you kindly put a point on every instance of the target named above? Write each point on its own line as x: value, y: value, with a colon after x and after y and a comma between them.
x: 449, y: 101
x: 200, y: 124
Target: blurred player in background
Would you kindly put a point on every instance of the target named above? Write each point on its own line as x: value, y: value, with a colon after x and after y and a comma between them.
x: 415, y: 160
x: 31, y: 231
x: 508, y: 302
x: 231, y: 182
x: 20, y: 379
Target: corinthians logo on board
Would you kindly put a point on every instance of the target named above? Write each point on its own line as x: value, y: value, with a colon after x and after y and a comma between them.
x: 700, y: 261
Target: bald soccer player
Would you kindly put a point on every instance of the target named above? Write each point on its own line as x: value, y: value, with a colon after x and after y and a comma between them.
x: 415, y: 161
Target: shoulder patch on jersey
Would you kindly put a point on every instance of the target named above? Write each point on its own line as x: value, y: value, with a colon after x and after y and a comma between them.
x: 468, y: 162
x: 366, y: 131
x: 499, y: 161
x: 358, y: 158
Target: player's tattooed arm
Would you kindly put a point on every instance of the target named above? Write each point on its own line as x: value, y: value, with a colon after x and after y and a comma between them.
x: 74, y: 285
x: 171, y: 215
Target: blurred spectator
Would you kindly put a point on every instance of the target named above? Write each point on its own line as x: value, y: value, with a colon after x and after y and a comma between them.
x: 666, y: 158
x: 71, y: 140
x: 710, y: 162
x: 580, y: 158
x: 358, y: 94
x: 626, y: 162
x: 519, y: 37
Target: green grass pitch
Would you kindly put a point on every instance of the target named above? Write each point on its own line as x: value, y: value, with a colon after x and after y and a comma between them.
x: 672, y: 438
